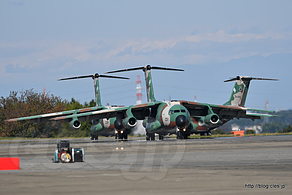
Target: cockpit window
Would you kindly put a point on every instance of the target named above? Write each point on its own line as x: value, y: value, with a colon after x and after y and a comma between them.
x: 177, y: 111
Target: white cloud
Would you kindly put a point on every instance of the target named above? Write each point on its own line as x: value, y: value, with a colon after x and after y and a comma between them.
x: 214, y: 47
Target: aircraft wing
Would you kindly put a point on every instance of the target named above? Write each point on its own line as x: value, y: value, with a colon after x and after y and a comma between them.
x: 224, y: 112
x: 139, y: 111
x: 47, y: 117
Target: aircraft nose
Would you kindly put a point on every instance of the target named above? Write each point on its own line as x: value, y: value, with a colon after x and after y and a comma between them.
x: 181, y: 121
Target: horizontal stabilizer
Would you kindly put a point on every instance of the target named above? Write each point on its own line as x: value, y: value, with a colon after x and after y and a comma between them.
x: 96, y: 75
x: 247, y: 78
x: 147, y: 67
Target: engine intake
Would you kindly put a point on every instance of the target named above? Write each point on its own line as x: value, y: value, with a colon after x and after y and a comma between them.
x: 75, y: 124
x: 130, y: 122
x: 212, y: 119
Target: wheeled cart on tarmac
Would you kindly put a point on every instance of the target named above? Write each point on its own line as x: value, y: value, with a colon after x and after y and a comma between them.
x: 65, y: 154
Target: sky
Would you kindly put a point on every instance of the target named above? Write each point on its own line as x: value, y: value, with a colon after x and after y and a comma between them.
x: 43, y: 41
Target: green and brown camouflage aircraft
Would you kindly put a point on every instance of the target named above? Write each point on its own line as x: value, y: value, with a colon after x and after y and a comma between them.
x: 164, y: 117
x: 186, y: 117
x: 100, y: 126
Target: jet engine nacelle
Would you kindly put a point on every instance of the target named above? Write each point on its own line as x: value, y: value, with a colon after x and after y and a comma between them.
x: 75, y: 124
x: 212, y: 119
x: 129, y: 122
x: 118, y: 124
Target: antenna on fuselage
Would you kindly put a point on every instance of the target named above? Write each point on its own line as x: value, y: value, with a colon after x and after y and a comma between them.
x: 147, y: 70
x: 96, y: 83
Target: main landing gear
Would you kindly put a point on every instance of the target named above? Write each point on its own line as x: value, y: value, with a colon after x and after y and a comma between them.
x: 150, y: 136
x: 94, y: 137
x: 206, y: 133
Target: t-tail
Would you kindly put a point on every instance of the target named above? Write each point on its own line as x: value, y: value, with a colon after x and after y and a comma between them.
x: 148, y: 78
x: 96, y: 84
x: 239, y: 92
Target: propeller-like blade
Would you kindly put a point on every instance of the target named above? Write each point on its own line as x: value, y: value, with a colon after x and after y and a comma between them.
x: 96, y: 75
x: 249, y: 78
x: 144, y: 68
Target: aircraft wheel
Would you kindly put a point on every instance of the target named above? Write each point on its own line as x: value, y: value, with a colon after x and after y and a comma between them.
x: 147, y: 137
x: 179, y: 135
x: 121, y: 136
x: 161, y: 137
x: 153, y: 136
x: 125, y: 136
x: 94, y: 137
x: 203, y: 134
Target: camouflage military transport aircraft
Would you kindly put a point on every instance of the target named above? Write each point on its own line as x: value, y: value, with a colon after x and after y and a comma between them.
x: 206, y: 117
x: 100, y: 126
x: 165, y: 117
x: 186, y: 117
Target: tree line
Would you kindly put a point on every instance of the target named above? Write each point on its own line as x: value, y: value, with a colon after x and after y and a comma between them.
x: 30, y: 103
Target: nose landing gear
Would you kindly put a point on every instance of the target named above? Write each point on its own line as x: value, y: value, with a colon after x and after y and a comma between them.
x: 182, y: 134
x: 121, y: 135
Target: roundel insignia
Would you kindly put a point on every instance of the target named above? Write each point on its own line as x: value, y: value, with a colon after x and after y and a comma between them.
x: 240, y: 88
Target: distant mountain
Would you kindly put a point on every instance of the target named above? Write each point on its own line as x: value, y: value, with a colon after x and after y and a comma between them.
x: 267, y: 124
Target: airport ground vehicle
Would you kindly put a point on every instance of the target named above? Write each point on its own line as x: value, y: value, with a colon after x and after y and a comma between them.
x: 65, y: 154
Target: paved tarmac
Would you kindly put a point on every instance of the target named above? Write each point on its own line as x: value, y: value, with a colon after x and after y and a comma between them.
x: 247, y: 165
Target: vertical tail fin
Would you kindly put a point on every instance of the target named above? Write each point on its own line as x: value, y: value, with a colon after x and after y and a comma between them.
x: 239, y: 92
x: 97, y: 92
x: 96, y: 83
x: 148, y: 78
x: 149, y: 86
